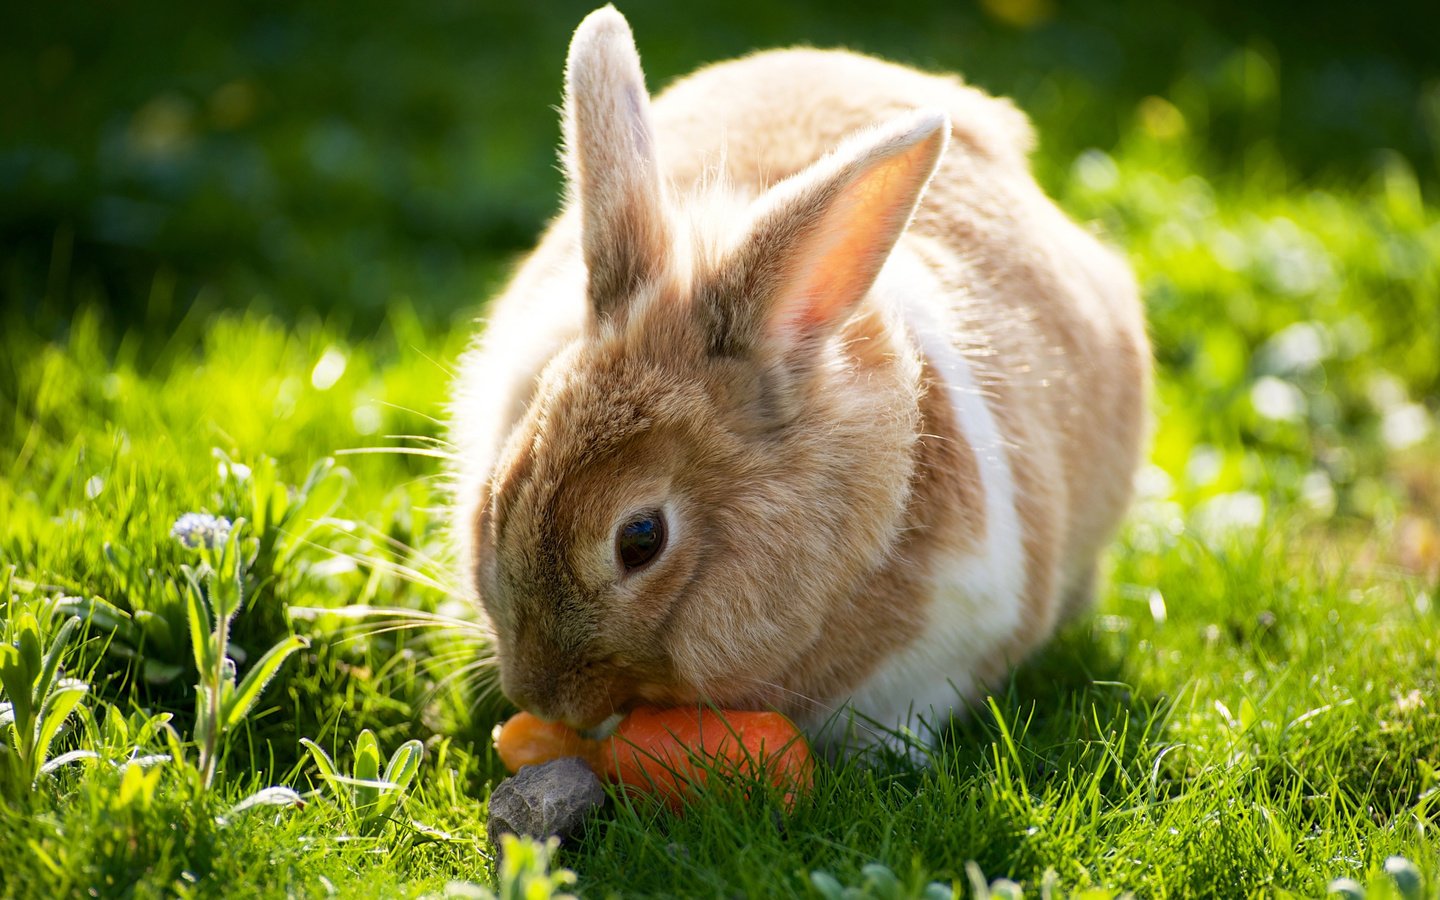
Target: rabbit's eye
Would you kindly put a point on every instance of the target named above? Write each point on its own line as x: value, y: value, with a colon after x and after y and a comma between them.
x: 640, y: 540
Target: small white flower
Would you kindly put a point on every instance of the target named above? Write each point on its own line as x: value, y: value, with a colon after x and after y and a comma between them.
x: 196, y: 530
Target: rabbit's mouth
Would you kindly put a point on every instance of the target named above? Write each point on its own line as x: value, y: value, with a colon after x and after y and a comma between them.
x: 591, y: 697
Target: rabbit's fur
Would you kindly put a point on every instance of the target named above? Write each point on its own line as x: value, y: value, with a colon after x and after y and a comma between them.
x: 889, y: 440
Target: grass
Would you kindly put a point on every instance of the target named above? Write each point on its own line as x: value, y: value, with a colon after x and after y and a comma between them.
x: 1253, y: 709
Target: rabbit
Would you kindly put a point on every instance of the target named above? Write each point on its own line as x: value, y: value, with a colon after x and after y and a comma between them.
x: 809, y: 400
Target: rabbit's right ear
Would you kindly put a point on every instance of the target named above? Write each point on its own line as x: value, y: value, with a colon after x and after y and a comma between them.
x: 819, y: 241
x: 611, y: 160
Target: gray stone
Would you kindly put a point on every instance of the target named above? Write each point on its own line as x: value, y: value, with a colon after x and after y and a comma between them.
x: 544, y: 800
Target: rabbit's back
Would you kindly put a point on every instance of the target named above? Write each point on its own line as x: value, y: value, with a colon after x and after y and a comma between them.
x: 1048, y: 316
x: 766, y: 116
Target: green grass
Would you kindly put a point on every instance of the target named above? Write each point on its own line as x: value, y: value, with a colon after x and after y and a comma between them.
x: 1253, y: 709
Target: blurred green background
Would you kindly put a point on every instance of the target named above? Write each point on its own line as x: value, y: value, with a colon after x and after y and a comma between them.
x: 336, y: 156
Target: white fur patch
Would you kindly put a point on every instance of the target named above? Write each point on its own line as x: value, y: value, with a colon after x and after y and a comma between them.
x: 976, y: 599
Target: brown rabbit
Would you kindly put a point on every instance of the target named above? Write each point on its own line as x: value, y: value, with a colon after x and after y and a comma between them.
x: 755, y: 426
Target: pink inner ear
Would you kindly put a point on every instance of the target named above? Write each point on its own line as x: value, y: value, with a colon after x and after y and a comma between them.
x: 838, y: 264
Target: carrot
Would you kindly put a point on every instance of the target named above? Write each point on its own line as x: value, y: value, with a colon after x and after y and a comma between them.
x: 528, y: 740
x: 667, y: 751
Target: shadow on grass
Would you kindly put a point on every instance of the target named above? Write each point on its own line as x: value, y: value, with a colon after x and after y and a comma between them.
x: 1020, y: 785
x: 1063, y: 732
x: 1047, y: 710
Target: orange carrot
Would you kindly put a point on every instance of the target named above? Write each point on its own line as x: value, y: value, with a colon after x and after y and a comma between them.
x: 528, y: 740
x: 665, y: 751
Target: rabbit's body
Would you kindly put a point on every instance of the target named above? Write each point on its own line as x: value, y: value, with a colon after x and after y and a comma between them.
x: 931, y: 469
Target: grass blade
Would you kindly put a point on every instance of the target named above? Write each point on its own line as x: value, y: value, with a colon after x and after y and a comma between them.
x: 367, y: 769
x: 52, y: 656
x: 238, y: 706
x: 57, y: 709
x: 14, y: 679
x: 404, y: 763
x: 198, y: 617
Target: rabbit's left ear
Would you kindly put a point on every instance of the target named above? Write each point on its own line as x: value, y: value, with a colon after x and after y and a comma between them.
x: 820, y: 239
x: 611, y: 160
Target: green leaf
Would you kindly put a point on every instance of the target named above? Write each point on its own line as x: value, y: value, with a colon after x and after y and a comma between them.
x: 51, y: 664
x: 404, y: 763
x: 66, y: 759
x: 14, y: 678
x: 1406, y: 877
x: 57, y: 709
x: 10, y: 777
x: 321, y: 495
x: 323, y: 762
x: 157, y: 671
x: 827, y: 885
x: 367, y: 768
x: 154, y: 628
x: 1005, y: 889
x: 175, y: 745
x: 328, y: 773
x: 117, y: 731
x: 399, y: 772
x: 265, y: 496
x: 91, y: 734
x: 228, y: 587
x: 270, y: 796
x: 881, y: 880
x: 198, y: 615
x: 148, y: 726
x: 118, y: 556
x: 100, y: 613
x: 29, y: 644
x: 316, y: 474
x: 1249, y: 715
x: 130, y: 784
x: 137, y: 787
x: 238, y: 706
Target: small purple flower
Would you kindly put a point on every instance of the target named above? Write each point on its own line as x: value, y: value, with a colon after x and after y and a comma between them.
x: 196, y: 530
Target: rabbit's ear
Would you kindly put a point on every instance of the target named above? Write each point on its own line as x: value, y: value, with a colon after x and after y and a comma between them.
x: 820, y: 239
x: 611, y: 161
